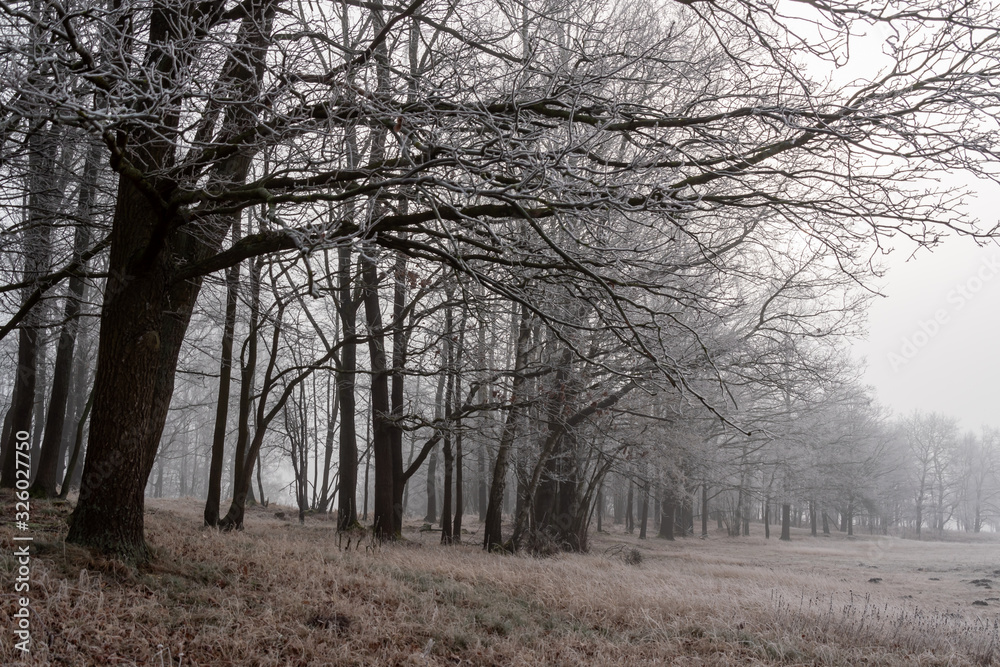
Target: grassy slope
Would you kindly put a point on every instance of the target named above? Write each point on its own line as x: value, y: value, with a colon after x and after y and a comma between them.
x: 284, y: 594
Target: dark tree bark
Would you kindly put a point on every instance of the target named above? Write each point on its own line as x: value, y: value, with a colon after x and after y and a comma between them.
x: 431, y: 515
x: 326, y: 493
x: 347, y: 508
x: 243, y: 477
x: 49, y: 463
x: 687, y: 515
x: 448, y: 370
x: 786, y: 522
x: 248, y: 372
x: 629, y: 523
x: 704, y: 511
x: 446, y: 500
x: 142, y: 325
x: 667, y: 515
x: 368, y: 466
x: 492, y: 530
x: 74, y: 458
x: 456, y: 525
x: 482, y: 486
x: 36, y: 241
x: 561, y: 433
x: 222, y: 404
x: 644, y: 512
x: 600, y: 508
x: 78, y: 402
x: 146, y: 310
x: 767, y: 519
x: 385, y: 487
x: 619, y: 502
x: 243, y: 473
x: 812, y: 518
x: 399, y: 343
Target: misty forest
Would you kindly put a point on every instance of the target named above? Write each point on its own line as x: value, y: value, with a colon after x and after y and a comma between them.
x: 485, y: 332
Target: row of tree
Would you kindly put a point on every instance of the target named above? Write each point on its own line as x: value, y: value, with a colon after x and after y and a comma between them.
x: 570, y: 239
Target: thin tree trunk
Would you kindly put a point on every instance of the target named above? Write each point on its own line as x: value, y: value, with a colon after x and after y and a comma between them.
x: 629, y: 522
x: 767, y: 519
x: 448, y: 355
x: 49, y: 463
x: 704, y: 511
x: 326, y: 496
x: 397, y: 387
x: 492, y: 530
x: 36, y: 242
x: 222, y: 404
x: 456, y: 526
x: 600, y: 507
x: 77, y: 446
x: 76, y: 402
x: 644, y: 512
x: 431, y: 515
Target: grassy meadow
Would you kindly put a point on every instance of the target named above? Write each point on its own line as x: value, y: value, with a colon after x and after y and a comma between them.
x: 281, y: 593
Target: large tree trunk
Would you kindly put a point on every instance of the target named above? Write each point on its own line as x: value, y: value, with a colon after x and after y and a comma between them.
x: 786, y: 523
x: 347, y: 507
x: 385, y: 487
x: 142, y: 325
x: 146, y: 311
x: 386, y: 463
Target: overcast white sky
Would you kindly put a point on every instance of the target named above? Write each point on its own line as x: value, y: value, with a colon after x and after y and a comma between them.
x: 933, y: 341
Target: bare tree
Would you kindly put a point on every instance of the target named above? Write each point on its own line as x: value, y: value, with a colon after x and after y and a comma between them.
x: 634, y: 157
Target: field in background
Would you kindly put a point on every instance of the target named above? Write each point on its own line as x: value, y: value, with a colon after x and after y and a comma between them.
x: 285, y: 594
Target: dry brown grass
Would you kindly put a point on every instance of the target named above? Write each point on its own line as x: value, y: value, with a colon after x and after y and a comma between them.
x: 284, y: 594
